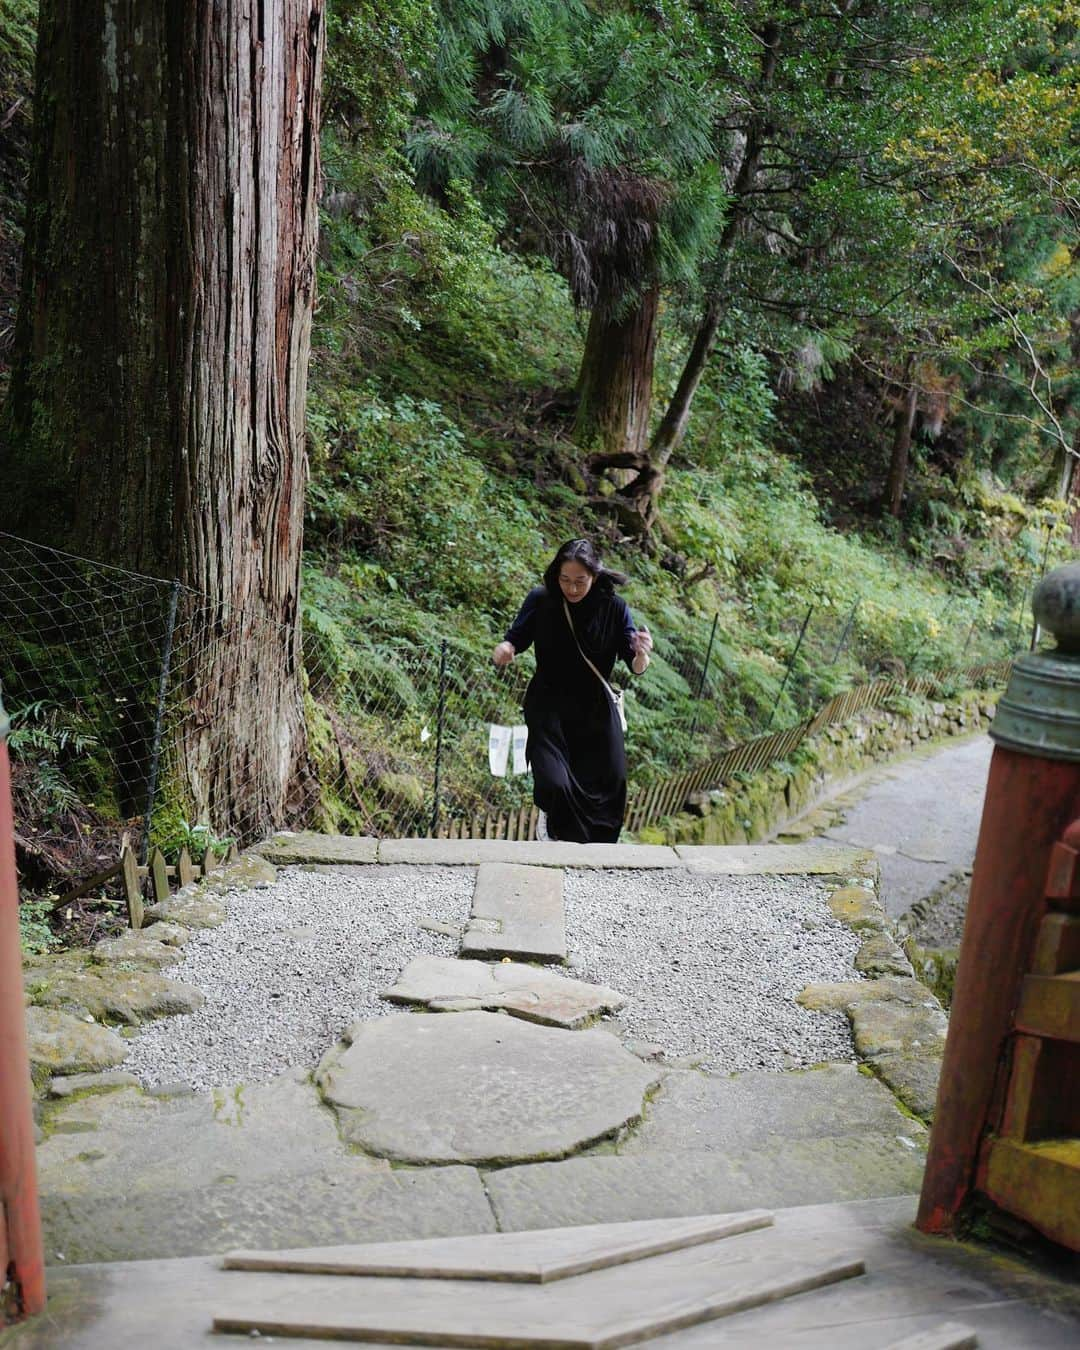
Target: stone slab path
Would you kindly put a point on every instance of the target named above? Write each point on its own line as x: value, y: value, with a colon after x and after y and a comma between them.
x: 475, y: 1087
x: 531, y: 992
x: 518, y: 912
x: 484, y: 1109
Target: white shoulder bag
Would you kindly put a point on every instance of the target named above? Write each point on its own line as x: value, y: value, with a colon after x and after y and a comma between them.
x: 617, y: 696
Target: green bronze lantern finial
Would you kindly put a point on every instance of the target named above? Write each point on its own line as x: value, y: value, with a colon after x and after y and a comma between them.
x: 1039, y: 713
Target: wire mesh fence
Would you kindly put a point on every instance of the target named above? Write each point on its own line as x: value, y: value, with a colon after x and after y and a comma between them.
x: 133, y: 694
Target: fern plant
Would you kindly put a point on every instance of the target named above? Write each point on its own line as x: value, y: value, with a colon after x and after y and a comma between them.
x: 43, y: 736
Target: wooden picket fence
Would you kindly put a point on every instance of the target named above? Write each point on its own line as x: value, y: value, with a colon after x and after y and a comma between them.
x: 666, y: 796
x: 154, y: 876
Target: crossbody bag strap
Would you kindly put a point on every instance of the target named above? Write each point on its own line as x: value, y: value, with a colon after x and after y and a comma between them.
x: 611, y: 692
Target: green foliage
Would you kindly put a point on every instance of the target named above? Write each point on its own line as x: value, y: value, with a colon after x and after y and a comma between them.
x: 400, y: 488
x: 35, y: 935
x: 173, y: 833
x: 18, y: 35
x: 50, y: 738
x: 586, y: 130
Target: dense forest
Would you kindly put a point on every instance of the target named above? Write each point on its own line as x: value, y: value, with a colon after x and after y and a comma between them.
x: 780, y: 303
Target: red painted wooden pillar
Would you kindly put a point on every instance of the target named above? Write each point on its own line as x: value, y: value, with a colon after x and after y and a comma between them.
x: 1032, y: 795
x: 22, y: 1262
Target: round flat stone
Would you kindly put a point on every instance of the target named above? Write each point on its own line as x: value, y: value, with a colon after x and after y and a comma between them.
x: 479, y: 1087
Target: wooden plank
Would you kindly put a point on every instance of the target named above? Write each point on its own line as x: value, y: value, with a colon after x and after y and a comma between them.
x: 1037, y: 1182
x: 1057, y: 947
x: 534, y: 816
x: 129, y: 872
x: 159, y: 877
x: 632, y: 811
x: 1043, y: 1096
x: 184, y: 870
x: 1050, y: 1006
x: 91, y: 883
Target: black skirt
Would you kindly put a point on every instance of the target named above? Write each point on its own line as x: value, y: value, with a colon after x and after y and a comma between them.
x: 575, y: 744
x: 578, y: 761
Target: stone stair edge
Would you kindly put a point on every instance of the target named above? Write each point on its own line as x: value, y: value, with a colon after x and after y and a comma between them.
x: 299, y: 847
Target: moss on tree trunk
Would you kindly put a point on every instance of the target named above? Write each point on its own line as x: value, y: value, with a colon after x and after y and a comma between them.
x: 156, y: 412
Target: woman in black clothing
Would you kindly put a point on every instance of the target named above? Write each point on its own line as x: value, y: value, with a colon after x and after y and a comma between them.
x: 575, y: 741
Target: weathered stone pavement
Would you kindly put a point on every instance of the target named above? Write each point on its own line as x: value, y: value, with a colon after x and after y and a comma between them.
x: 517, y: 912
x: 920, y: 817
x: 479, y: 1088
x: 503, y: 1124
x: 531, y: 992
x: 910, y: 1288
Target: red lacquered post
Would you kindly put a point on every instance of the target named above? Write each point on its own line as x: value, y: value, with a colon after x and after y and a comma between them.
x: 1032, y: 795
x: 22, y: 1260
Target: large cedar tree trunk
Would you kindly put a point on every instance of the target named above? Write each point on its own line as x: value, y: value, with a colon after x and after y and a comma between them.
x: 156, y: 414
x: 615, y: 381
x: 893, y: 496
x: 646, y: 487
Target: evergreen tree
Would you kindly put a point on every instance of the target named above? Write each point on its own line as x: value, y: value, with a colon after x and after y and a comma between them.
x: 156, y: 410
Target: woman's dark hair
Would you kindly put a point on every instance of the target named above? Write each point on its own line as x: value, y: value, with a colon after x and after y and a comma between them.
x: 582, y: 551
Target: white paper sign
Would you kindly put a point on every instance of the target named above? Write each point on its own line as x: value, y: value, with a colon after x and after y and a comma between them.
x: 521, y: 736
x: 498, y: 749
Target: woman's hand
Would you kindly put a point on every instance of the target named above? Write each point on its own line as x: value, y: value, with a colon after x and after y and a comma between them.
x: 503, y: 654
x: 642, y: 645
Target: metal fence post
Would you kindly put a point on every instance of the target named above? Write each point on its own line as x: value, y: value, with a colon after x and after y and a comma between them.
x: 159, y: 720
x: 441, y: 718
x: 704, y: 673
x: 967, y: 640
x: 22, y: 1256
x: 790, y: 666
x: 1020, y: 615
x: 844, y: 633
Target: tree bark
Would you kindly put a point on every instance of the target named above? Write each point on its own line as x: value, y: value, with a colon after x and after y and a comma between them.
x: 901, y: 447
x: 156, y: 414
x: 615, y: 381
x: 672, y: 428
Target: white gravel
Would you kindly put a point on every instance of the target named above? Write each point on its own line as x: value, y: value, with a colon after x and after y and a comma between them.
x: 294, y: 965
x: 710, y: 965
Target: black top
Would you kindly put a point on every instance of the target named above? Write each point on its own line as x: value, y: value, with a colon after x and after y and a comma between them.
x: 602, y: 625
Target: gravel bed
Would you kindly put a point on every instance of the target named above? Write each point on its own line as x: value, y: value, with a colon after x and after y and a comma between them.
x: 711, y: 965
x: 293, y: 965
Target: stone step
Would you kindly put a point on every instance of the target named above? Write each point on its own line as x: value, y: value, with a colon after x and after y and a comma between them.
x: 517, y: 911
x: 605, y: 1188
x: 599, y: 1310
x: 947, y: 1336
x: 911, y: 1288
x: 481, y: 1088
x: 521, y: 1258
x: 348, y: 1202
x: 529, y: 992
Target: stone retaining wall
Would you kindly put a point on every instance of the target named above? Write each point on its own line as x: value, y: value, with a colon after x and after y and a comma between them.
x: 743, y: 813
